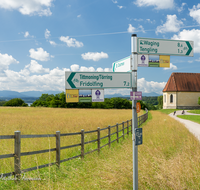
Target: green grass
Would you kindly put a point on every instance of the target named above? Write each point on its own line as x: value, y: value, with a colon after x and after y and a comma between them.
x: 195, y: 118
x: 194, y: 111
x: 168, y: 159
x: 167, y: 111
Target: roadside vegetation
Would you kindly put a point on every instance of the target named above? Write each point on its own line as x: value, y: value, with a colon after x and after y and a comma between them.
x: 195, y: 118
x: 168, y: 158
x: 194, y: 111
x: 59, y: 101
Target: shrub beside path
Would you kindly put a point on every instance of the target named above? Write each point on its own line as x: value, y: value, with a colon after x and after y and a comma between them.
x: 193, y: 127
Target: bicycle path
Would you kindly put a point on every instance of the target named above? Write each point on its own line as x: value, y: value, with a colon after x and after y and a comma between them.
x: 193, y: 127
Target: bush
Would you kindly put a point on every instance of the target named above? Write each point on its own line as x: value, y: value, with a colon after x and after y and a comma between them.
x: 199, y: 101
x: 15, y: 102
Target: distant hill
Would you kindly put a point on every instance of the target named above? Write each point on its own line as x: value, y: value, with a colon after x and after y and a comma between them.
x: 14, y: 94
x: 39, y: 93
x: 11, y: 94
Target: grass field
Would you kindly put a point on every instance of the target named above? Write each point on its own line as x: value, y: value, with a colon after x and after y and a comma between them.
x: 194, y: 111
x: 168, y: 158
x: 195, y: 118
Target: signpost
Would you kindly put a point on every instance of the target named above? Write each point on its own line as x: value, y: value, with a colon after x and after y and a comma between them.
x: 97, y: 80
x: 123, y: 65
x: 164, y: 47
x: 100, y: 80
x: 150, y: 46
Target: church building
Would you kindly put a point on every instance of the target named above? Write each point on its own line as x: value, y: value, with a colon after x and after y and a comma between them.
x: 182, y: 91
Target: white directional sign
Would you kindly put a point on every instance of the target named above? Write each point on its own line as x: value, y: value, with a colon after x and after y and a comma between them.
x: 97, y: 80
x: 164, y: 47
x: 123, y: 65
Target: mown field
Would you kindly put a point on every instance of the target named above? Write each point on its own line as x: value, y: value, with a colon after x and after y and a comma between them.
x: 169, y: 157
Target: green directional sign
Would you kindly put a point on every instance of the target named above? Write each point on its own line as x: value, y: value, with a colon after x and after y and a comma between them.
x: 164, y: 47
x: 97, y: 80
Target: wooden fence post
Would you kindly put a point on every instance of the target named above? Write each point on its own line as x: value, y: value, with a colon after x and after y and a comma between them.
x: 82, y: 144
x: 139, y: 123
x: 117, y: 129
x: 98, y: 139
x: 109, y: 140
x: 17, y: 164
x: 123, y: 128
x: 131, y: 127
x: 127, y: 127
x: 58, y: 148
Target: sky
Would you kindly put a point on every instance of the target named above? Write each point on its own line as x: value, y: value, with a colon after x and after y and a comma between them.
x: 40, y: 40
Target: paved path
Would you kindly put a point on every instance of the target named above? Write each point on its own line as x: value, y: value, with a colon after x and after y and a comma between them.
x: 193, y: 127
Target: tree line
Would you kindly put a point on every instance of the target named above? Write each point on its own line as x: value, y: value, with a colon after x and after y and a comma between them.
x: 59, y: 101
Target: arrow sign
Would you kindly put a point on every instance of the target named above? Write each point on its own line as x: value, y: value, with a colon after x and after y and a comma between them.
x: 164, y: 47
x: 123, y: 65
x: 97, y: 80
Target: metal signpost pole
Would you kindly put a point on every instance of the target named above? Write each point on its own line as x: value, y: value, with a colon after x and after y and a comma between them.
x: 134, y: 113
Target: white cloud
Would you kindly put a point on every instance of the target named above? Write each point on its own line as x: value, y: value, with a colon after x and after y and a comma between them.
x: 131, y: 29
x: 52, y: 43
x: 47, y: 34
x: 74, y: 67
x: 120, y: 7
x: 99, y: 69
x: 114, y: 1
x: 180, y: 9
x: 150, y: 21
x: 108, y: 70
x: 78, y: 16
x: 158, y: 4
x: 195, y: 13
x: 191, y: 35
x: 172, y: 67
x: 86, y: 69
x: 26, y: 34
x: 71, y: 42
x: 95, y: 56
x: 28, y: 7
x: 5, y: 61
x: 40, y: 54
x: 171, y: 25
x: 34, y: 67
x: 150, y: 86
x: 141, y: 28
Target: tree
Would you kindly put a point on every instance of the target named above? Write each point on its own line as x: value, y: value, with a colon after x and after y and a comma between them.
x: 15, y: 102
x: 160, y: 102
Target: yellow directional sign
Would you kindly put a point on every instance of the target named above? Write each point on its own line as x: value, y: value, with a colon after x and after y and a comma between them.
x: 72, y: 95
x: 164, y: 60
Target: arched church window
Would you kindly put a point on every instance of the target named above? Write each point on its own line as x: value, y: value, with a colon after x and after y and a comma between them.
x: 171, y: 98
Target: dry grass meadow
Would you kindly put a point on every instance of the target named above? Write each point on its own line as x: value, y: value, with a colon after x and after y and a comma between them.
x: 169, y: 157
x: 48, y: 121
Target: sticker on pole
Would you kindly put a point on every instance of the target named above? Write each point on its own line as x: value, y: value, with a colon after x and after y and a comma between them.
x: 136, y: 95
x: 138, y: 107
x: 138, y: 136
x: 97, y: 95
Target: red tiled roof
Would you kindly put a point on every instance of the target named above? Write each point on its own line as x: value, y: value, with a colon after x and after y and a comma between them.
x: 183, y: 82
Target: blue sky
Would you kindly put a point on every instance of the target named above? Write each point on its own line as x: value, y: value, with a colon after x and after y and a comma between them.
x: 40, y: 40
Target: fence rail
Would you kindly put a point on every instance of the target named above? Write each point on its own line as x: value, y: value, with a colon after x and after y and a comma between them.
x: 17, y: 148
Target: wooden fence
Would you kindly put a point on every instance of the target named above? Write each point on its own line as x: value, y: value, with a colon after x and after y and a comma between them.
x: 17, y: 145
